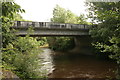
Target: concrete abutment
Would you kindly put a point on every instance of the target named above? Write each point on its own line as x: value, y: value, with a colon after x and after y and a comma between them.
x: 82, y: 45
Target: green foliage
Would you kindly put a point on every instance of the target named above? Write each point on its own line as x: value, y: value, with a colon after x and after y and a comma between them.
x: 28, y: 51
x: 7, y: 33
x: 61, y: 43
x: 10, y: 8
x: 18, y: 17
x: 19, y: 54
x: 62, y: 15
x: 42, y: 40
x: 82, y: 20
x: 107, y: 34
x: 23, y: 55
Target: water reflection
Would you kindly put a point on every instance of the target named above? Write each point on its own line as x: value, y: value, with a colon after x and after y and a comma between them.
x: 77, y: 66
x: 47, y: 61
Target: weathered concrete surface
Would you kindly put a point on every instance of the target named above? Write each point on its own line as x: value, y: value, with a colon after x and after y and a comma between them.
x: 51, y: 29
x: 82, y: 45
x: 52, y: 32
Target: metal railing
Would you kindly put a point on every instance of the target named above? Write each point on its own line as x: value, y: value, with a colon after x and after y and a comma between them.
x: 26, y: 24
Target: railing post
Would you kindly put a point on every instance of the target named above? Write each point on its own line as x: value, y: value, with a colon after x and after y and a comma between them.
x: 18, y: 23
x: 84, y: 26
x: 33, y: 24
x: 41, y: 24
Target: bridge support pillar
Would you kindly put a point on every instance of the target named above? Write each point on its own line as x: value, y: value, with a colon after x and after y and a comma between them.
x: 83, y: 45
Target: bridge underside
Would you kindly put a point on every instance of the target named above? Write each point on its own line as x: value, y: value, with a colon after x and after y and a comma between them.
x: 52, y: 32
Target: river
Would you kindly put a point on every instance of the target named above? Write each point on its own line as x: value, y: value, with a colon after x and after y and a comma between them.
x: 77, y: 66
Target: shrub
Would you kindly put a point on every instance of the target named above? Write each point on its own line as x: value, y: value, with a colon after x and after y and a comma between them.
x: 61, y: 43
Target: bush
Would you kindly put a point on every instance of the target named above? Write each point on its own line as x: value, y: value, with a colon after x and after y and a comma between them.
x: 26, y: 60
x: 19, y: 54
x: 61, y: 43
x: 24, y: 56
x: 42, y: 40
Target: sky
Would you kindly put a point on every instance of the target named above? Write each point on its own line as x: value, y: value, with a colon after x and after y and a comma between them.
x: 41, y: 10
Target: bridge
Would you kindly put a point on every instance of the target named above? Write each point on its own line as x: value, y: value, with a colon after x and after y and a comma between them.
x: 80, y: 32
x: 50, y: 29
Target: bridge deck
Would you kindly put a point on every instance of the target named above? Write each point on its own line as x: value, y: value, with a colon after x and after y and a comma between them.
x: 50, y: 28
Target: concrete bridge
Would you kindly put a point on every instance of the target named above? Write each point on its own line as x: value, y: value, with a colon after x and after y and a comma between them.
x: 80, y: 32
x: 51, y: 29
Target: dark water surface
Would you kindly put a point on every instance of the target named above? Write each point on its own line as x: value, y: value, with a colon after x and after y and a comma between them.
x: 78, y: 66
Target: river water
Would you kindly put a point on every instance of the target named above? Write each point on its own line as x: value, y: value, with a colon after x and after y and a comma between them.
x: 76, y: 66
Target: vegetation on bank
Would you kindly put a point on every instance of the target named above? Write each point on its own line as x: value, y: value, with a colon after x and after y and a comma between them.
x: 42, y: 41
x: 19, y: 54
x: 61, y: 43
x: 106, y: 36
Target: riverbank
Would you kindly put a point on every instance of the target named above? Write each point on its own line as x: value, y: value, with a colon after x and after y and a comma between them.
x: 7, y: 74
x: 44, y: 46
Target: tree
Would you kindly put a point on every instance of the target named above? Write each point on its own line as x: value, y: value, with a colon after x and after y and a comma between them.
x: 62, y: 15
x: 82, y: 20
x: 19, y: 54
x: 9, y: 9
x: 57, y: 12
x: 107, y: 34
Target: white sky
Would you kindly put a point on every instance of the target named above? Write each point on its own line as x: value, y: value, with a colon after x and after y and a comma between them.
x: 41, y: 10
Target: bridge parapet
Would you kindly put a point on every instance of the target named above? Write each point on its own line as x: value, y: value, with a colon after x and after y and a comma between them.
x: 51, y: 25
